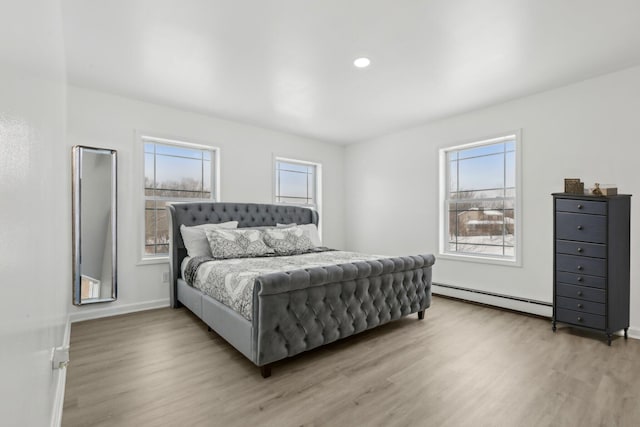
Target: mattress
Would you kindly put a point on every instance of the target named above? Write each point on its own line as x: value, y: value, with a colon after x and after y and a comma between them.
x: 231, y: 281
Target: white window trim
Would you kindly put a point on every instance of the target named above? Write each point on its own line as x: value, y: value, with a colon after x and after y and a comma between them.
x: 318, y: 186
x: 140, y: 138
x: 443, y: 169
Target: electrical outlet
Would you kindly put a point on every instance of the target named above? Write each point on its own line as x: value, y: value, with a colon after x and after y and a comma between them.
x: 165, y: 277
x: 59, y: 357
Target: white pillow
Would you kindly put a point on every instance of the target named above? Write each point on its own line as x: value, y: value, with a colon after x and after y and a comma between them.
x: 310, y: 230
x: 195, y: 238
x: 292, y: 224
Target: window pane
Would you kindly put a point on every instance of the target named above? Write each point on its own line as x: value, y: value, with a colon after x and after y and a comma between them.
x: 480, y: 249
x: 479, y: 194
x: 162, y: 224
x: 177, y: 173
x: 172, y: 172
x: 293, y: 167
x: 510, y: 172
x: 311, y: 184
x: 295, y: 200
x: 453, y: 176
x: 149, y: 171
x: 481, y: 200
x: 149, y: 226
x: 206, y: 176
x: 481, y: 173
x: 482, y: 150
x: 293, y: 184
x: 172, y: 150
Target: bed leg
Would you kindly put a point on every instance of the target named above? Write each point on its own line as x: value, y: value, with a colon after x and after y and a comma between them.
x: 421, y: 315
x: 265, y: 371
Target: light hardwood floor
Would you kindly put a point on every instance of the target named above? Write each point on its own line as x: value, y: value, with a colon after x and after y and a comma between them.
x: 464, y: 365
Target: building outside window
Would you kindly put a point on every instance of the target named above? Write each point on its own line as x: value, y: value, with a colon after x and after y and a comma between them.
x: 480, y: 199
x: 174, y: 171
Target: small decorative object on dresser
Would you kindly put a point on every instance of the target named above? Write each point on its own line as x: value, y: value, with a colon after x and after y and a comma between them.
x: 573, y: 186
x: 603, y: 189
x: 591, y: 262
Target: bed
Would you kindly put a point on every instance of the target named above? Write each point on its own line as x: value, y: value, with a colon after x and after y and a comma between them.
x: 294, y: 311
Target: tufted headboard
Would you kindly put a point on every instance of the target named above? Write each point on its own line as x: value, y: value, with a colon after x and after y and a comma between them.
x: 247, y: 214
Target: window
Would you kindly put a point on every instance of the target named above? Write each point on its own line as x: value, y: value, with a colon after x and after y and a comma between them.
x: 174, y: 171
x: 297, y: 182
x: 480, y: 199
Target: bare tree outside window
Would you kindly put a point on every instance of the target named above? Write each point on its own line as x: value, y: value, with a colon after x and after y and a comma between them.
x: 172, y: 173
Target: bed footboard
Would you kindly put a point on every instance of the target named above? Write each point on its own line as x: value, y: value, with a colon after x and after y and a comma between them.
x: 305, y: 309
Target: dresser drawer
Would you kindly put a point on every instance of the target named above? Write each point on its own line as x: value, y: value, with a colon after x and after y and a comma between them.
x: 584, y: 228
x: 581, y: 206
x: 581, y: 305
x: 581, y: 279
x: 581, y: 265
x: 577, y: 318
x: 580, y: 292
x: 581, y: 248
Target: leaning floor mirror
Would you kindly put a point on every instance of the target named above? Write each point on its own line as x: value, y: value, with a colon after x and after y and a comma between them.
x: 94, y: 225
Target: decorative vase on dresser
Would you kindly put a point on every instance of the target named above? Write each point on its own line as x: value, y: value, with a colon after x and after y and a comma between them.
x: 591, y: 262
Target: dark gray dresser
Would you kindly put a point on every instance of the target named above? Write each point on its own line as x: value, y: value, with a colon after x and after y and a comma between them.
x: 591, y: 262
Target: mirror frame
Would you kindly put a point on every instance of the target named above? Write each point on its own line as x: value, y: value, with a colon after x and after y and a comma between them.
x: 77, y: 226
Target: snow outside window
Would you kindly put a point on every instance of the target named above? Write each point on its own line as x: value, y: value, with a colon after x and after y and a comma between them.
x: 480, y: 199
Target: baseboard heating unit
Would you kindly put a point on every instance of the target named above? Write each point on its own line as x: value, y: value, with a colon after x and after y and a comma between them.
x: 540, y: 308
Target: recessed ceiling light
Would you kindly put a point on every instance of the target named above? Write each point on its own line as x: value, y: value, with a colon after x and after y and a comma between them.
x: 362, y: 62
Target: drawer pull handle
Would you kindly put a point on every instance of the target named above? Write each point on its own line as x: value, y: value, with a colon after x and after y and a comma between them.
x: 579, y: 206
x: 579, y: 319
x: 579, y: 293
x: 579, y: 267
x: 579, y: 227
x: 579, y: 305
x: 580, y: 249
x: 580, y: 279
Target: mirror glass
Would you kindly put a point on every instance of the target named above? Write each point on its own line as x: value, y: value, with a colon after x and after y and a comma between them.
x: 94, y: 225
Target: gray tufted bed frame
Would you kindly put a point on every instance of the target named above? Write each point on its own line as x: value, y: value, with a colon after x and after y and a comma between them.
x: 300, y: 310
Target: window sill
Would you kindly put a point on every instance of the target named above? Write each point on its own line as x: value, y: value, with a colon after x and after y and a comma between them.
x: 481, y: 259
x: 153, y: 261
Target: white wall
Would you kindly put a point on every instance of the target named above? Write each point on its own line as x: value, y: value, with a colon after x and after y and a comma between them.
x: 35, y: 231
x: 109, y: 121
x: 589, y: 130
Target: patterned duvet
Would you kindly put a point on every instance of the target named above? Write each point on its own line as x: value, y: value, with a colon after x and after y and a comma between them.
x: 231, y: 281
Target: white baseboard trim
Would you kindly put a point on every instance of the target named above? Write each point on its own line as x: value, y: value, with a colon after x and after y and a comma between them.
x: 58, y: 401
x: 511, y: 304
x: 86, y: 313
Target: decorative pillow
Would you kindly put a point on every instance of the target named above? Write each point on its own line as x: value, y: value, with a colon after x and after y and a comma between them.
x: 236, y: 243
x: 288, y: 241
x: 310, y: 230
x: 195, y: 239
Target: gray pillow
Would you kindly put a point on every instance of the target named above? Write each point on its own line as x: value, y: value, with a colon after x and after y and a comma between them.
x: 287, y: 241
x: 195, y: 239
x: 239, y: 243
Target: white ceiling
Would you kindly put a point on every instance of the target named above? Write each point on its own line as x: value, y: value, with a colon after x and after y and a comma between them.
x: 287, y: 64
